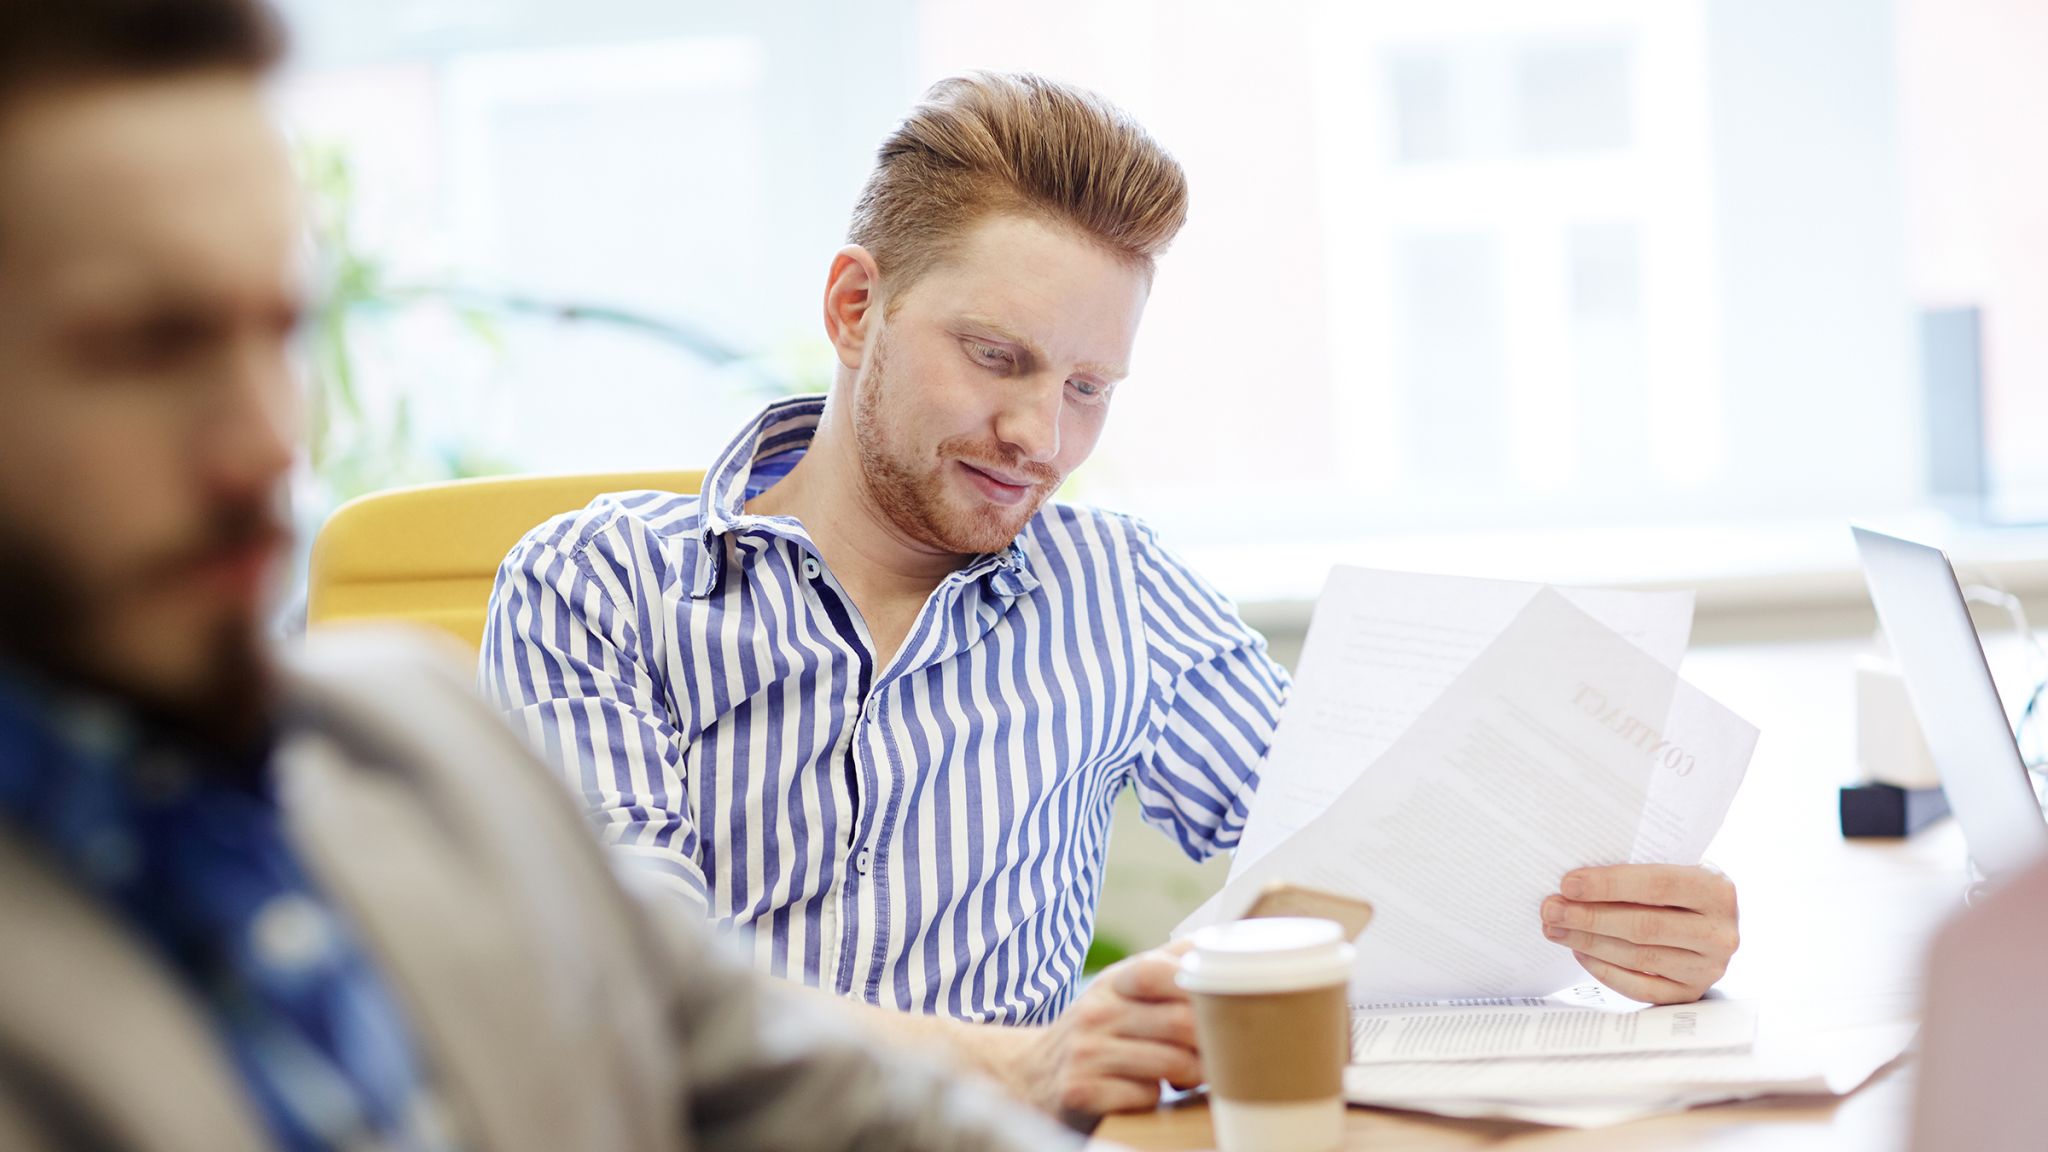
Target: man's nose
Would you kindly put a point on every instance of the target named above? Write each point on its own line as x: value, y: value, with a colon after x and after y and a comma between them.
x: 1030, y: 419
x: 252, y: 439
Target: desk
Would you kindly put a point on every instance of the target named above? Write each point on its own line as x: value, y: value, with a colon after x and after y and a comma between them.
x: 1832, y: 930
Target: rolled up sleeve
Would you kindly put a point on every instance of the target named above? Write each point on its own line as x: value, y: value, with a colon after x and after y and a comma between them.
x: 1216, y: 700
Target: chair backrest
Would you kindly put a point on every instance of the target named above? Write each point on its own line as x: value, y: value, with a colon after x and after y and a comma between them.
x: 429, y: 554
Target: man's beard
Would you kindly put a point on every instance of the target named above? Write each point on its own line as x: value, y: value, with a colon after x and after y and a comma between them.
x: 915, y: 500
x: 49, y: 617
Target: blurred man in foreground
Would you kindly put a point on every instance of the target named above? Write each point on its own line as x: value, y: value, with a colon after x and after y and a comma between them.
x: 330, y: 905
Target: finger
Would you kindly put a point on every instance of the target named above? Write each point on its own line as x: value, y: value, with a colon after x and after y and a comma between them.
x: 1708, y: 935
x: 1147, y: 976
x: 1675, y: 964
x: 1118, y: 1058
x: 1081, y: 1104
x: 1637, y: 985
x: 1668, y: 885
x: 1167, y: 1023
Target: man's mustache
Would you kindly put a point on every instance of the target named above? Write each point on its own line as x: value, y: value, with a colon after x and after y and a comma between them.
x: 231, y: 528
x: 1010, y: 462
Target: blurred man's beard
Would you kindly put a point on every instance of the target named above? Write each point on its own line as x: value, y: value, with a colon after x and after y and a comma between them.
x: 49, y: 617
x: 916, y: 502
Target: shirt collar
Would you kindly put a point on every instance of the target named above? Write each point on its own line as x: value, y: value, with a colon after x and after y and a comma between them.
x: 72, y: 760
x: 65, y: 774
x: 45, y: 737
x: 764, y: 452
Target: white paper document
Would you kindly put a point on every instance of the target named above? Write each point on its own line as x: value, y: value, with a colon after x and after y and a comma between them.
x: 1588, y: 993
x: 1560, y: 745
x: 1591, y: 1091
x: 1387, y: 1036
x: 1382, y: 647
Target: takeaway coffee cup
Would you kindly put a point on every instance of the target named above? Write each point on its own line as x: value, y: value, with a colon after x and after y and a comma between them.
x: 1274, y: 1030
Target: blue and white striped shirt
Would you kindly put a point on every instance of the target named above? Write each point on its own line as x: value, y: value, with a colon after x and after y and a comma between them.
x: 927, y: 835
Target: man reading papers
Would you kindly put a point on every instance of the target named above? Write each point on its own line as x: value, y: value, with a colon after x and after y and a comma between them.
x: 867, y: 700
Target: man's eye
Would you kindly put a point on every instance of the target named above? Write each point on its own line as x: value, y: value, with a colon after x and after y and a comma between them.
x: 159, y: 342
x: 988, y: 355
x: 1087, y: 388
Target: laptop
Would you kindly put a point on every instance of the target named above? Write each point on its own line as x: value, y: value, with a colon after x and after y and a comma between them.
x: 1982, y: 772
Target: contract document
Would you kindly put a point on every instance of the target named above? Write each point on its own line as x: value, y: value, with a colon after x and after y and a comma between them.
x: 1383, y: 646
x: 1559, y: 744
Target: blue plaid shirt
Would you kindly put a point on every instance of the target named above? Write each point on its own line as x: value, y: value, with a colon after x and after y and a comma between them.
x: 194, y: 858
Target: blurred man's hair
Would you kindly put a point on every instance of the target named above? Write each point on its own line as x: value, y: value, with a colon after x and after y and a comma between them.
x: 989, y: 143
x: 49, y: 42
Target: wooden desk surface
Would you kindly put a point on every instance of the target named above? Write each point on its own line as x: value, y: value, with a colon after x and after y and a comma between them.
x: 1832, y: 931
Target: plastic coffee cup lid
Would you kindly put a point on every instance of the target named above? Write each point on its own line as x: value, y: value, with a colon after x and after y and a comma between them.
x: 1269, y: 954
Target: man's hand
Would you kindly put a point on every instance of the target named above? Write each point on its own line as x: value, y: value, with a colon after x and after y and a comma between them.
x: 1660, y: 933
x: 1108, y: 1052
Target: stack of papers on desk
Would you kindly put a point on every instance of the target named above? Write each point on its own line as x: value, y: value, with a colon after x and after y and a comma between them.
x: 1570, y: 1024
x: 1557, y: 1062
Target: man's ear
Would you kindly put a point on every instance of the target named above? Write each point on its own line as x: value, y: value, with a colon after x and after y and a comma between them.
x: 852, y: 303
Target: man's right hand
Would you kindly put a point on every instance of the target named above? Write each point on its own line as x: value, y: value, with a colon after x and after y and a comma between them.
x: 1132, y: 1028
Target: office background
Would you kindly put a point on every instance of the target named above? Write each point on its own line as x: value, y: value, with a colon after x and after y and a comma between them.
x: 1595, y: 290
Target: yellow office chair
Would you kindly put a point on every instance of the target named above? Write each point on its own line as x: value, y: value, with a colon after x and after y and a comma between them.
x: 429, y: 554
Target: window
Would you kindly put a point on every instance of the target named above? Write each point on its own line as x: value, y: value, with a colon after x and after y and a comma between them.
x: 1471, y: 265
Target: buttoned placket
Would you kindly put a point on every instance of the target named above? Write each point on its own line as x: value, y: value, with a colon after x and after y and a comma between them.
x: 850, y: 750
x: 872, y: 800
x: 869, y: 826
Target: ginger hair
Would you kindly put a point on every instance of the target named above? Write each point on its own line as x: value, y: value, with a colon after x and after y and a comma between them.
x: 988, y: 143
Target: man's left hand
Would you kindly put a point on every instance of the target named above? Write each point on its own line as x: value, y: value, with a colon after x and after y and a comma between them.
x: 1660, y: 933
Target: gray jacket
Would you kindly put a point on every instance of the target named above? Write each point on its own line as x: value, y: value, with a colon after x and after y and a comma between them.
x: 557, y: 1013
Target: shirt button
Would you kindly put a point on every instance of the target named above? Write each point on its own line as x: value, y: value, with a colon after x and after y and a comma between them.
x: 811, y: 568
x: 290, y: 934
x: 861, y: 862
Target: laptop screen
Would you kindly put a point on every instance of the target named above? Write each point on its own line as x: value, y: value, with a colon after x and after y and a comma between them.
x: 1928, y: 623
